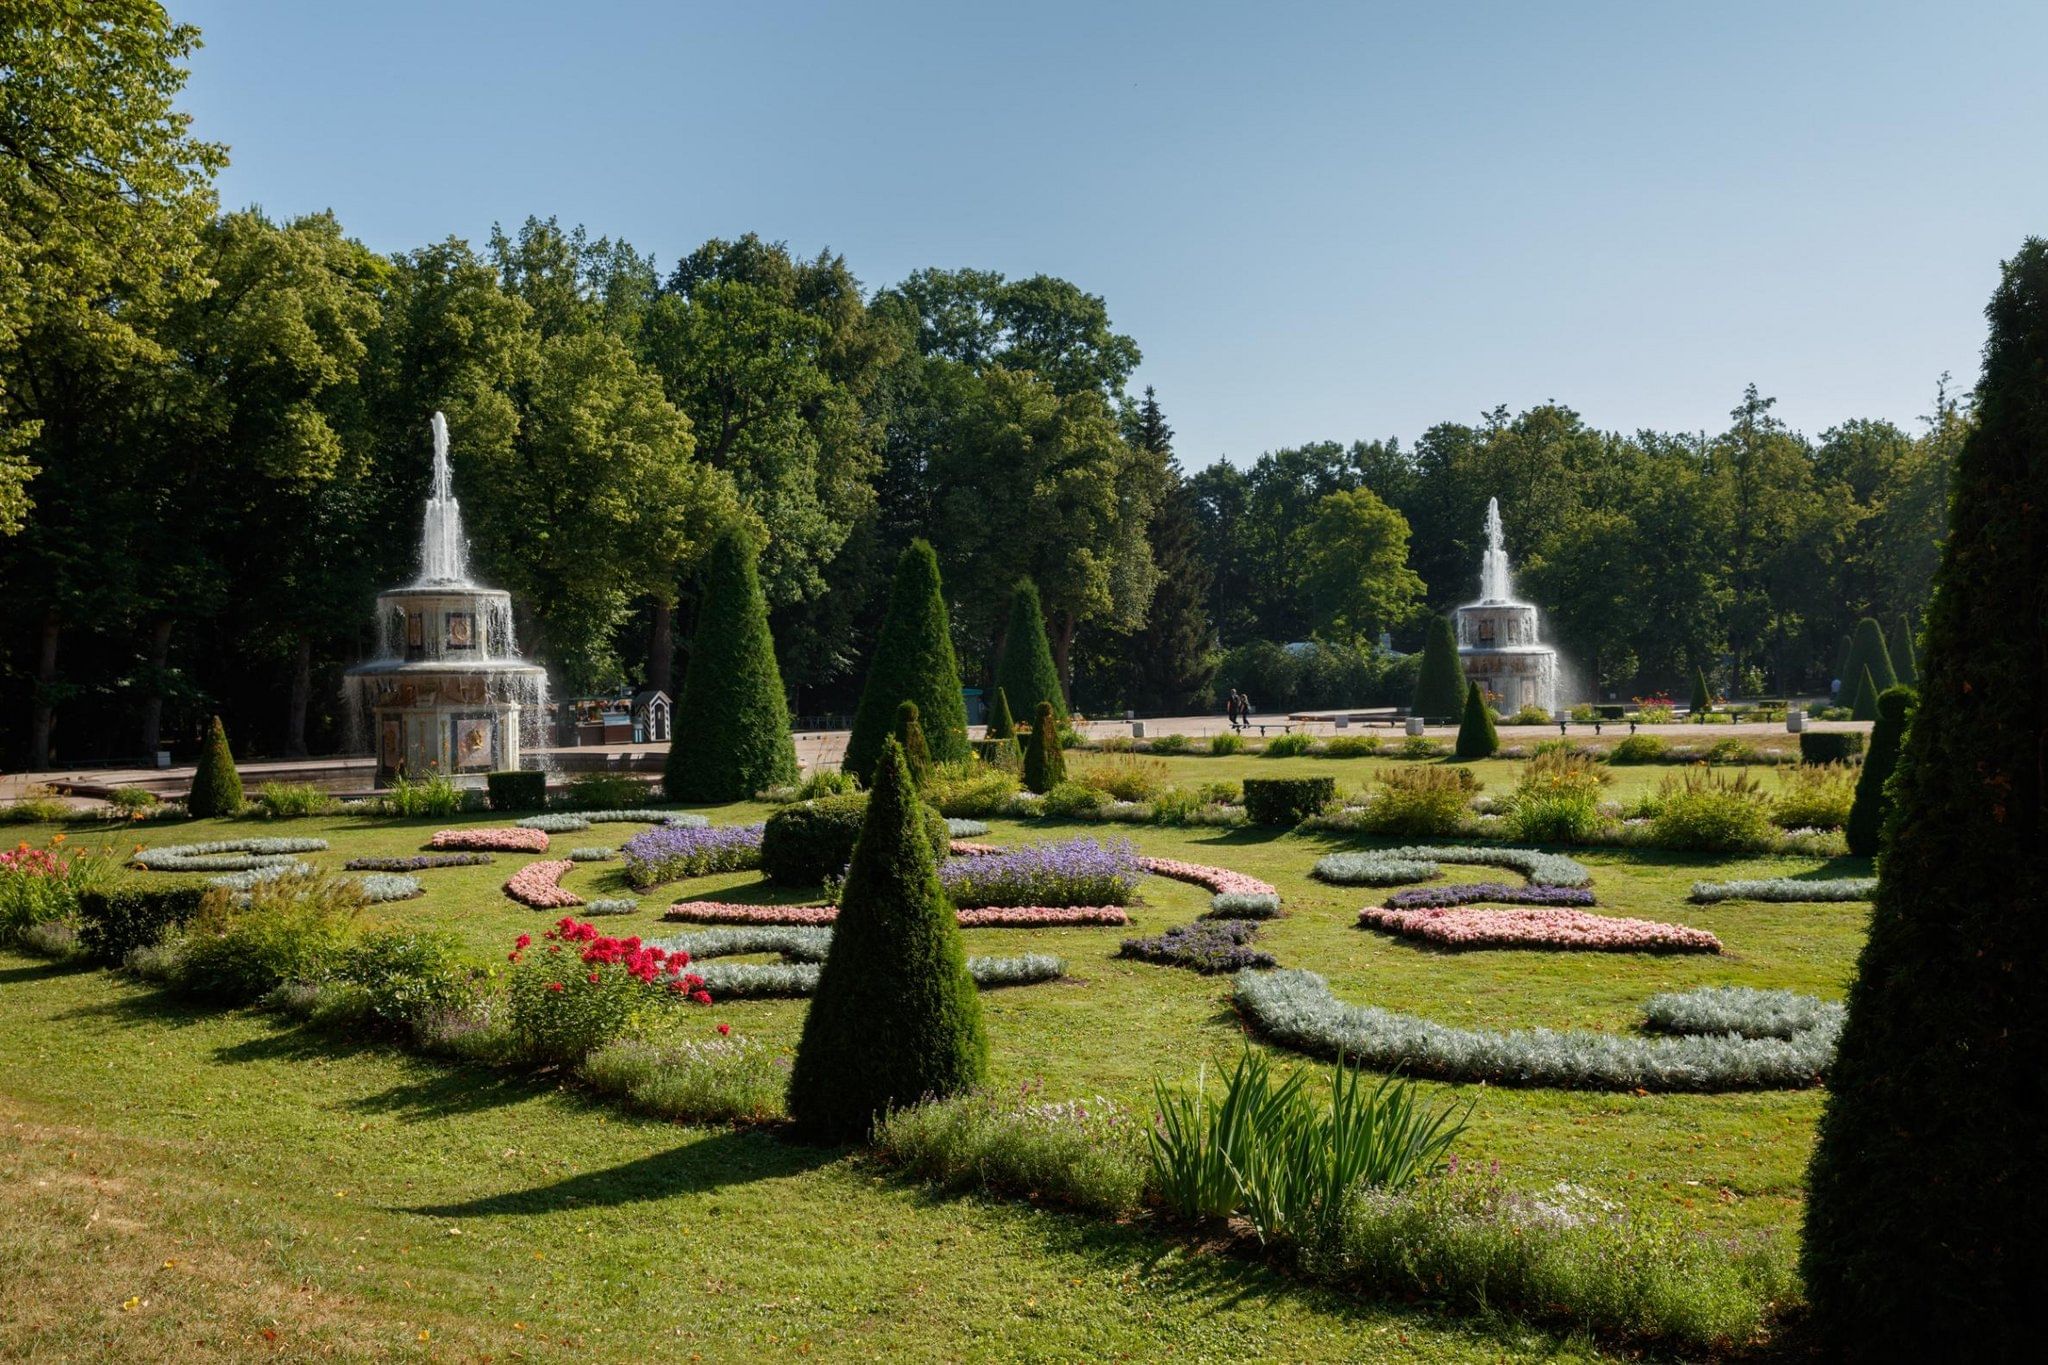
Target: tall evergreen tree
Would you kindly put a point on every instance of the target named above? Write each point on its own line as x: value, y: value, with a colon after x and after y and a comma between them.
x: 1902, y: 657
x: 731, y: 733
x: 1867, y: 815
x: 1173, y: 659
x: 1867, y: 651
x: 1045, y: 763
x: 1865, y: 706
x: 1925, y: 1199
x: 1440, y: 685
x: 895, y: 1019
x: 216, y: 784
x: 1025, y: 671
x: 1477, y: 737
x: 1702, y: 695
x: 1001, y: 724
x: 913, y: 662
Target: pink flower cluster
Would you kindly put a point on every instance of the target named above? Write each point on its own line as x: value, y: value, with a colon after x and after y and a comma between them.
x: 503, y: 839
x: 1533, y: 927
x: 1221, y: 880
x: 987, y: 917
x: 967, y: 848
x: 537, y: 885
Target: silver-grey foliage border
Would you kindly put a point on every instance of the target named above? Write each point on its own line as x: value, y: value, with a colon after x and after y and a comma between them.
x: 1419, y: 862
x: 1786, y: 889
x: 804, y: 950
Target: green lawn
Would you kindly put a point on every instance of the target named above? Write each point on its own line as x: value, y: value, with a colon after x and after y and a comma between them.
x: 405, y: 1195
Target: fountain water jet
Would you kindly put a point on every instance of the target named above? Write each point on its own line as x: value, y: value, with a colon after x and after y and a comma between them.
x: 447, y: 691
x: 1498, y: 638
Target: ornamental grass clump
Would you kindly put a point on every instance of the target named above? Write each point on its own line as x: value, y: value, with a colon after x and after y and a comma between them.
x: 725, y: 1078
x: 895, y: 1019
x: 294, y: 800
x: 1557, y: 798
x: 1704, y: 811
x: 1207, y: 946
x: 1814, y: 796
x: 407, y: 975
x: 972, y: 790
x: 671, y: 852
x: 1071, y: 872
x: 1413, y: 801
x: 1087, y: 1154
x: 1126, y: 777
x: 241, y: 946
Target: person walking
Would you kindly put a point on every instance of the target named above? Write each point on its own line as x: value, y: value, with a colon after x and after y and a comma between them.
x: 1232, y: 705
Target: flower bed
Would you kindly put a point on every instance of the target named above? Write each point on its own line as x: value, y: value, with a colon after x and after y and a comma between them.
x: 1072, y: 872
x: 987, y: 917
x: 677, y: 819
x: 671, y: 852
x: 418, y: 862
x: 1498, y: 893
x: 592, y: 853
x: 556, y: 823
x: 379, y: 887
x: 1298, y: 1010
x: 967, y: 848
x: 225, y: 855
x: 537, y: 885
x: 1377, y: 867
x: 611, y: 905
x: 492, y: 839
x: 764, y: 980
x: 1550, y: 928
x: 1786, y: 889
x: 966, y: 829
x: 1207, y: 946
x: 1220, y: 880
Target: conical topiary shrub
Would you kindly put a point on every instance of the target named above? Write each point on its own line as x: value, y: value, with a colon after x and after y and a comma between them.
x: 1476, y: 736
x: 1440, y: 683
x: 1025, y: 670
x: 1902, y: 657
x: 1001, y: 725
x: 913, y: 661
x: 895, y: 1019
x: 1866, y: 699
x: 216, y: 786
x: 1866, y: 816
x: 1925, y: 1200
x: 731, y: 733
x: 917, y: 756
x: 1702, y: 696
x: 1867, y: 651
x: 1045, y: 763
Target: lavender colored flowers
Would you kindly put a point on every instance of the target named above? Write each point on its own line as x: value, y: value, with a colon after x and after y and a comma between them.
x: 670, y: 852
x: 1497, y: 893
x: 1207, y: 946
x: 1072, y: 872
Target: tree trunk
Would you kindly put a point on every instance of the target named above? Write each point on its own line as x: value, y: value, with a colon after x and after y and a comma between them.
x: 661, y: 650
x: 1062, y: 649
x: 44, y: 714
x: 300, y: 698
x: 153, y: 704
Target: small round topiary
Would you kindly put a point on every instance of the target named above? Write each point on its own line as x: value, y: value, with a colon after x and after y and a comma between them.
x: 216, y: 786
x: 806, y: 842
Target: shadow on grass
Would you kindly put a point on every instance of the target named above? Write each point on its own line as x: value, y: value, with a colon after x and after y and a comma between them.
x: 713, y: 1162
x: 1841, y: 865
x: 45, y: 970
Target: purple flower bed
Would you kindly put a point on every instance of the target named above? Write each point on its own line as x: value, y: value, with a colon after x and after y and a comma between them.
x: 1207, y: 946
x: 1497, y: 893
x: 418, y: 862
x: 1073, y: 872
x: 670, y: 852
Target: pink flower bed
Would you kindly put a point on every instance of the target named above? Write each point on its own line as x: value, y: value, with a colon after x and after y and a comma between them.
x: 1534, y: 927
x: 1221, y: 880
x: 988, y: 917
x: 537, y: 885
x: 507, y: 839
x: 967, y: 848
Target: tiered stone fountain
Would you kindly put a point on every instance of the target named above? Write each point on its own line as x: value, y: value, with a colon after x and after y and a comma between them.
x: 447, y: 691
x: 1498, y: 640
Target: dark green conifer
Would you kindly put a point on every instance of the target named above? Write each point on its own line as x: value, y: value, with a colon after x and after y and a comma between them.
x: 1866, y: 699
x: 913, y: 661
x: 1025, y: 670
x: 917, y: 756
x: 1001, y: 725
x: 1925, y: 1200
x: 1476, y: 736
x: 216, y: 785
x: 895, y: 1019
x: 1867, y: 651
x: 1902, y: 657
x: 1440, y: 684
x: 731, y: 733
x: 1045, y: 763
x: 1866, y: 816
x: 1702, y: 696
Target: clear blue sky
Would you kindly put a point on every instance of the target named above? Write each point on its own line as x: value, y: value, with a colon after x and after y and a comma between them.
x: 1319, y: 221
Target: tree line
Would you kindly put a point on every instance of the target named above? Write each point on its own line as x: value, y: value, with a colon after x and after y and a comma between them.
x: 214, y: 452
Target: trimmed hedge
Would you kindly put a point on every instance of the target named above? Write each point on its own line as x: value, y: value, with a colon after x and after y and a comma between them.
x: 1284, y: 802
x: 111, y: 924
x: 1829, y: 746
x: 731, y: 735
x: 808, y: 841
x: 517, y: 789
x: 1867, y: 813
x: 1476, y: 736
x: 1045, y: 763
x: 216, y: 785
x: 1866, y: 698
x: 913, y: 661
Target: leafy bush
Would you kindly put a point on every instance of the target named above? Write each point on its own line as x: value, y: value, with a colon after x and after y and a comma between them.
x: 294, y: 800
x: 1298, y: 1010
x: 1638, y: 749
x: 731, y: 735
x: 610, y: 791
x: 805, y: 843
x: 826, y: 782
x: 116, y: 920
x: 971, y: 790
x: 1293, y: 744
x: 1226, y: 743
x: 1126, y: 777
x: 409, y: 974
x: 1416, y: 801
x: 728, y: 1079
x: 1554, y: 818
x: 133, y: 799
x: 517, y: 789
x: 1814, y: 797
x: 581, y: 989
x: 433, y: 796
x: 669, y: 853
x: 1072, y: 801
x: 1829, y: 746
x: 41, y: 886
x: 1703, y: 811
x: 1207, y: 946
x: 1089, y: 1154
x: 38, y: 806
x: 1531, y: 715
x: 1170, y: 744
x: 1284, y: 802
x: 1350, y: 746
x: 216, y: 786
x: 240, y: 947
x: 1419, y: 747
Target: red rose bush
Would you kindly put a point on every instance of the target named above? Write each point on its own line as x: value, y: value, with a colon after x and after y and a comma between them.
x: 580, y: 989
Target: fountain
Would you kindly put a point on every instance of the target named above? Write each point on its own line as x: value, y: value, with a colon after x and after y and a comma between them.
x: 1498, y: 641
x: 447, y: 691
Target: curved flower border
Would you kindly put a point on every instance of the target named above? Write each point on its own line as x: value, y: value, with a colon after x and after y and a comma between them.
x: 1550, y: 928
x: 989, y: 917
x: 538, y: 885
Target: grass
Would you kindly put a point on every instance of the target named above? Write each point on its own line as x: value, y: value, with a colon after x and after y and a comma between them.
x: 629, y: 1236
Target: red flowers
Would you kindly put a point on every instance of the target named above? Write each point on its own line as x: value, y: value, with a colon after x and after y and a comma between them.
x: 724, y: 1030
x: 643, y: 962
x: 523, y: 942
x: 554, y: 985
